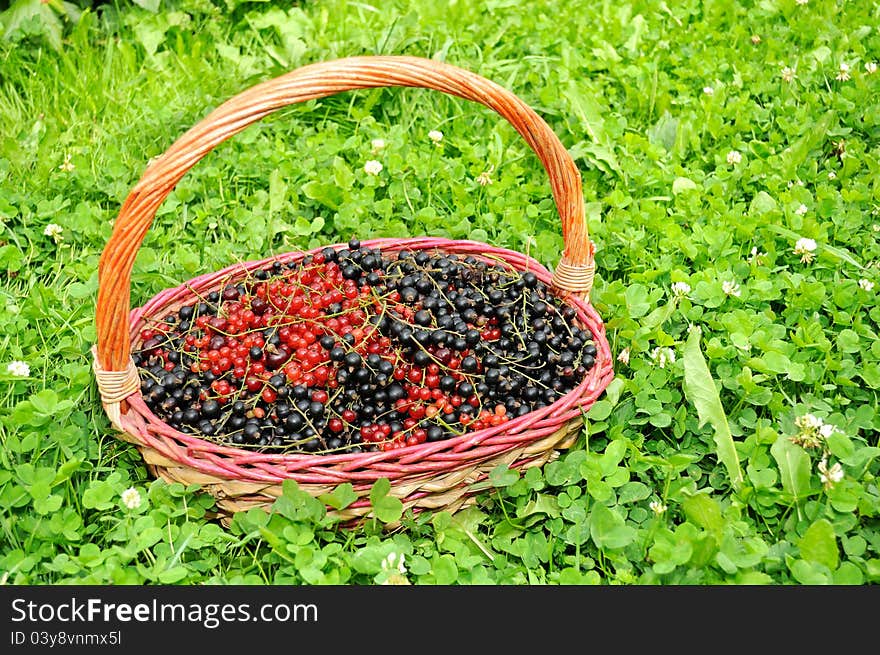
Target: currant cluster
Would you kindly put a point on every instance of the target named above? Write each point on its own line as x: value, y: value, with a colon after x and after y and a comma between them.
x: 354, y: 350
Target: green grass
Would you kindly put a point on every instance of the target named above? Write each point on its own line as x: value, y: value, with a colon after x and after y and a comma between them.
x: 691, y: 472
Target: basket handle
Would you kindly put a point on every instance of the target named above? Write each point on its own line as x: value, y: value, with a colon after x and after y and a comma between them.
x: 575, y: 270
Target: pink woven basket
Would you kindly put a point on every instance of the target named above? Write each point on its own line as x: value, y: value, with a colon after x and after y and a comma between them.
x: 435, y: 475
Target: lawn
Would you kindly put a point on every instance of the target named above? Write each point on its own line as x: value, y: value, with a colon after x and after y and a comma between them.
x: 730, y: 156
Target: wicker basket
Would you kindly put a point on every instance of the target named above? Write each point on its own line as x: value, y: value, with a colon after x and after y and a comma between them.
x: 434, y: 476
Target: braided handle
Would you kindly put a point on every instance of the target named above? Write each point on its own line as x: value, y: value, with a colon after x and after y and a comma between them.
x: 308, y: 83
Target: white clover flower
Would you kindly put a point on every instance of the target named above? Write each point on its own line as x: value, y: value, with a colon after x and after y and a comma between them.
x: 801, y: 210
x: 395, y: 566
x: 55, y: 231
x: 373, y: 167
x: 826, y: 430
x: 829, y: 476
x: 212, y: 225
x: 757, y: 257
x: 131, y: 498
x: 812, y: 431
x: 870, y: 67
x: 657, y: 507
x: 832, y: 175
x: 435, y: 135
x: 756, y: 39
x: 708, y: 90
x: 734, y: 157
x: 809, y: 422
x: 377, y: 145
x: 788, y: 74
x: 394, y: 562
x: 867, y: 285
x: 876, y: 227
x: 67, y: 166
x: 623, y: 357
x: 731, y: 288
x: 484, y: 178
x: 18, y: 369
x: 806, y: 248
x: 680, y: 289
x: 842, y: 72
x: 663, y: 356
x: 802, y: 2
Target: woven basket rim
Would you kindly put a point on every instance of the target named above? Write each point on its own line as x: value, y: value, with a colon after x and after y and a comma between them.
x: 202, y: 453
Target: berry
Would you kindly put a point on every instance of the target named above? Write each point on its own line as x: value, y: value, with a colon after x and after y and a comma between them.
x: 210, y: 409
x: 355, y: 350
x: 469, y: 364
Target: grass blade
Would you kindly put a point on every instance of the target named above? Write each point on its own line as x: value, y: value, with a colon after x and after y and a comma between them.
x: 701, y: 391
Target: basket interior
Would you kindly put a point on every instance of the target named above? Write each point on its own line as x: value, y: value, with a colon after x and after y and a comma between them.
x: 429, y: 458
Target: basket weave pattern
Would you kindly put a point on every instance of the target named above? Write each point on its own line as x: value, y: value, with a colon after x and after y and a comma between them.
x: 436, y: 475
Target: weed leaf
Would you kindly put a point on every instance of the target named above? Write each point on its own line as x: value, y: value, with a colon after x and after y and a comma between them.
x: 702, y: 393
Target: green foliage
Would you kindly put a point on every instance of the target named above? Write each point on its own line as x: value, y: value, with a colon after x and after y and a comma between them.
x: 387, y: 509
x: 701, y: 390
x: 37, y: 18
x: 692, y: 468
